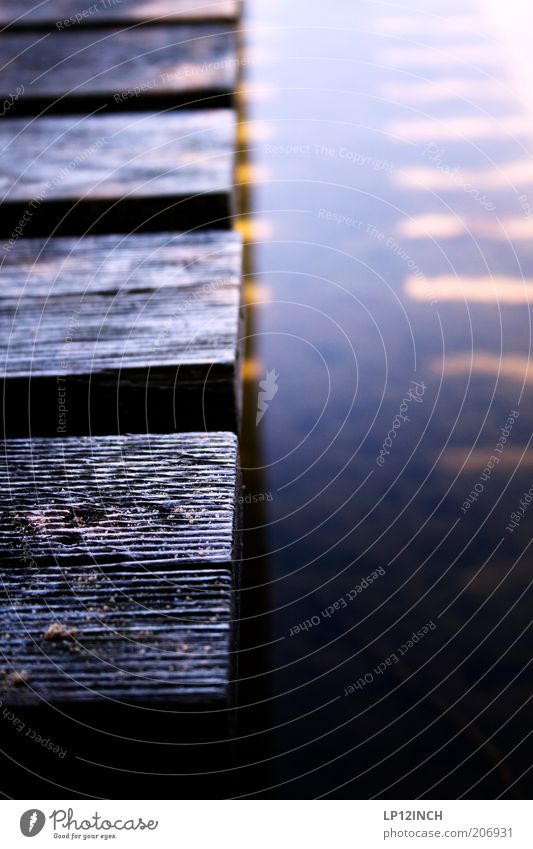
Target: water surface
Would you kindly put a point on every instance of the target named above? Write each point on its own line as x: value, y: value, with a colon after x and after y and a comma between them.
x: 389, y: 178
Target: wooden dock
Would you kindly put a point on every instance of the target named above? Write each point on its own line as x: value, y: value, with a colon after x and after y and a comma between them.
x: 120, y: 541
x: 129, y: 593
x: 116, y: 173
x: 142, y: 331
x: 127, y: 69
x: 61, y: 14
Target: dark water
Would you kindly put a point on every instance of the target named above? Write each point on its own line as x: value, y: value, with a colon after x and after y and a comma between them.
x: 390, y: 266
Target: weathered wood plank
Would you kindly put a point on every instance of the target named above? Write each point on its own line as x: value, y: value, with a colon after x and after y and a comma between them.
x: 78, y: 635
x: 146, y: 499
x: 63, y: 14
x: 82, y: 70
x: 116, y: 173
x: 118, y: 569
x: 139, y: 332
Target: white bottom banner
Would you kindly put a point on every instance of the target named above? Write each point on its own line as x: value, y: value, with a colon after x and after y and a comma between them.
x: 262, y: 824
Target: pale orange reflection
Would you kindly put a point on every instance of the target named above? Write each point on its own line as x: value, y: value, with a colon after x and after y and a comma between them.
x: 258, y: 92
x: 482, y: 363
x: 432, y: 226
x: 252, y: 172
x: 460, y: 128
x: 431, y: 91
x: 469, y: 53
x: 454, y: 459
x: 481, y: 290
x: 441, y: 177
x: 252, y: 369
x: 250, y: 132
x: 429, y: 25
x: 450, y: 226
x: 254, y: 229
x: 256, y: 292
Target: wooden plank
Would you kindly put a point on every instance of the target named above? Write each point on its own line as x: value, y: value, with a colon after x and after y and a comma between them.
x: 140, y: 332
x: 115, y: 173
x: 136, y: 636
x: 63, y: 14
x: 147, y: 499
x: 82, y: 70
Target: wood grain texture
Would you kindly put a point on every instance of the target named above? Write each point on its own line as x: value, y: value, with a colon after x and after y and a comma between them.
x: 153, y: 171
x: 81, y: 70
x: 138, y: 301
x: 124, y: 321
x: 73, y: 13
x: 77, y: 635
x: 144, y: 499
x: 119, y: 570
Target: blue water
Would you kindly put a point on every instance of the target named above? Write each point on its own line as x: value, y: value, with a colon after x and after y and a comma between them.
x: 390, y: 264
